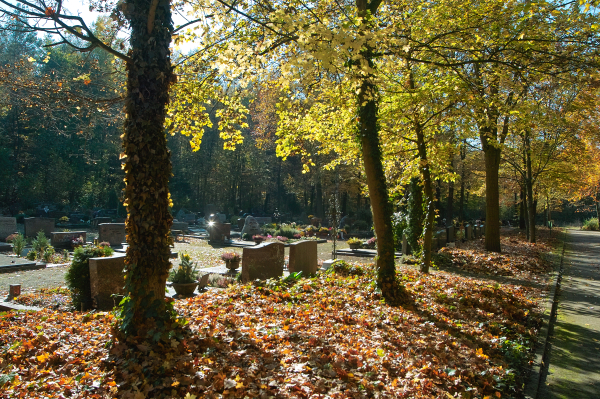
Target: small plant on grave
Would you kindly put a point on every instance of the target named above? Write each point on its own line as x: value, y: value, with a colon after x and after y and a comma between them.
x: 185, y: 273
x: 247, y: 237
x: 40, y: 243
x: 78, y: 274
x: 31, y: 255
x: 323, y: 231
x: 18, y: 244
x: 287, y: 231
x: 258, y: 238
x: 64, y: 219
x: 231, y: 257
x: 282, y: 239
x: 298, y: 236
x: 310, y: 229
x: 11, y: 238
x: 48, y: 254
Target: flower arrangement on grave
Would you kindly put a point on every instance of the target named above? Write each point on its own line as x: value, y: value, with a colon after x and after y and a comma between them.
x: 371, y: 243
x: 282, y: 238
x: 354, y: 243
x: 299, y: 235
x: 64, y: 219
x: 323, y: 231
x: 258, y: 238
x: 231, y: 259
x: 77, y: 242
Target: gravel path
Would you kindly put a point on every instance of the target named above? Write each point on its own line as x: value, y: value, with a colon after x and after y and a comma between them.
x: 33, y: 279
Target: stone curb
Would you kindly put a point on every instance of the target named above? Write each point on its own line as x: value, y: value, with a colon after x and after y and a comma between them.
x: 10, y: 306
x: 541, y: 353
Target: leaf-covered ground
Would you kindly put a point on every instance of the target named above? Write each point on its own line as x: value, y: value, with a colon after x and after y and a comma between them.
x: 330, y: 336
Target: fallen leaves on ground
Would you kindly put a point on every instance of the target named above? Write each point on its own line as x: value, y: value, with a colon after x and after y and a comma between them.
x: 330, y: 336
x: 52, y: 298
x: 518, y: 258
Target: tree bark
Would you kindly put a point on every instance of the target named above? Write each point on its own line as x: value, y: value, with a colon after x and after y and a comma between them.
x: 492, y: 198
x: 429, y: 200
x: 529, y: 187
x: 450, y: 199
x: 367, y: 104
x: 147, y: 170
x: 463, y: 155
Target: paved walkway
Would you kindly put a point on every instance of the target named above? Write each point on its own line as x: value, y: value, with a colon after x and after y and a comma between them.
x: 574, y: 356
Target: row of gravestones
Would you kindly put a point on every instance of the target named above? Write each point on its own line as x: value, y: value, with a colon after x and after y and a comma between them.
x: 259, y: 262
x: 444, y: 237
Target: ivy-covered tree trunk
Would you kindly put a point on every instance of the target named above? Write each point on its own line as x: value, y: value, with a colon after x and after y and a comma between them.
x: 429, y: 200
x: 368, y: 131
x: 147, y: 168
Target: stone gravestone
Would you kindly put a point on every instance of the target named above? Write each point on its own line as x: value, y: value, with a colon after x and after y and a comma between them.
x: 180, y: 226
x: 99, y: 220
x: 442, y: 238
x: 34, y: 225
x: 251, y: 226
x: 450, y: 233
x: 263, y: 261
x: 476, y: 231
x: 8, y: 226
x: 64, y: 239
x: 303, y: 257
x: 405, y: 246
x: 222, y: 217
x: 107, y: 278
x: 112, y: 233
x: 468, y: 232
x: 219, y: 231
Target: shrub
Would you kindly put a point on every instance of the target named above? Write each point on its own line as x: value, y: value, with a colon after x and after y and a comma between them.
x: 18, y: 244
x: 40, y: 243
x: 31, y: 255
x: 247, y: 237
x: 287, y: 231
x: 48, y: 254
x: 591, y: 224
x: 346, y: 269
x: 185, y: 273
x: 78, y: 274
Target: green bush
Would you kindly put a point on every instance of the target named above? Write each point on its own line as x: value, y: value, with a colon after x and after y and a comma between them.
x: 48, y: 254
x: 31, y: 255
x: 18, y: 244
x: 78, y: 275
x: 40, y: 243
x: 591, y: 224
x: 287, y: 231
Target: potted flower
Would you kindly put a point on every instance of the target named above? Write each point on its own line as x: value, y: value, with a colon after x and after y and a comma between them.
x: 258, y: 238
x: 77, y: 242
x: 323, y: 231
x: 232, y: 260
x: 282, y: 238
x: 354, y: 243
x: 310, y: 230
x: 184, y: 277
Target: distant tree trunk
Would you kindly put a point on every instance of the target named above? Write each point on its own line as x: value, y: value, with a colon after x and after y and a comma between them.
x: 463, y: 155
x: 438, y: 200
x: 319, y: 205
x: 147, y: 169
x: 450, y: 199
x: 522, y: 223
x: 529, y: 186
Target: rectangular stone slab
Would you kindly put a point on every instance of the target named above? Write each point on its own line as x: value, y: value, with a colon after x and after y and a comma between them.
x: 10, y: 264
x: 112, y: 233
x: 107, y: 278
x: 263, y: 261
x: 64, y: 239
x: 35, y: 225
x: 303, y: 257
x: 8, y: 226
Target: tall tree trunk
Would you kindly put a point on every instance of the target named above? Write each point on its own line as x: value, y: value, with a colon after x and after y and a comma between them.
x: 522, y: 222
x: 319, y: 201
x: 450, y: 199
x: 368, y: 132
x: 147, y: 169
x: 529, y: 186
x: 429, y: 200
x: 492, y: 198
x: 463, y: 155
